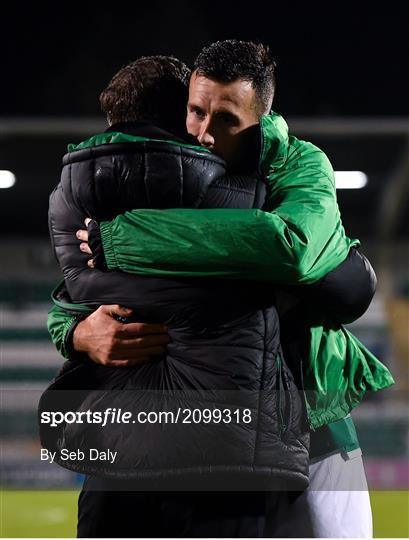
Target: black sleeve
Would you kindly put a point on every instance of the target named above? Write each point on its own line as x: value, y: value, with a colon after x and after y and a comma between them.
x: 346, y: 292
x: 86, y: 286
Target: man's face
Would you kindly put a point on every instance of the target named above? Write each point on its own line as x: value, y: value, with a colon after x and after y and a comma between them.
x: 218, y: 113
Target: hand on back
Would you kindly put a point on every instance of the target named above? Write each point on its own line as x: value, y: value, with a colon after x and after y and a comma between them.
x: 111, y: 342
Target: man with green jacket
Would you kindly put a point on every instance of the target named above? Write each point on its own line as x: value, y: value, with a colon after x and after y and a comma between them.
x: 297, y: 239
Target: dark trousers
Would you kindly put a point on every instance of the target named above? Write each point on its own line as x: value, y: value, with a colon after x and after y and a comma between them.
x: 178, y: 514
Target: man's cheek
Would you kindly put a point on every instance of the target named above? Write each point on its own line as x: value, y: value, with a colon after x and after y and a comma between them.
x: 192, y: 127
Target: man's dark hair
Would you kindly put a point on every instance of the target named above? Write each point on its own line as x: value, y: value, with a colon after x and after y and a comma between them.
x: 151, y: 89
x: 232, y: 60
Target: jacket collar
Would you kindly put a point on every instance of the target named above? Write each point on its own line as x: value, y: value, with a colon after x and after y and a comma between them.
x: 274, y: 142
x: 122, y: 132
x: 144, y: 129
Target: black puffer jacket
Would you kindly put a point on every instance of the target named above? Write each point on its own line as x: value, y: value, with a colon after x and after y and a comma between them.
x: 224, y: 356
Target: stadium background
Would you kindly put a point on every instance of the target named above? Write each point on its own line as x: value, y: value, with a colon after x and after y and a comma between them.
x: 342, y: 83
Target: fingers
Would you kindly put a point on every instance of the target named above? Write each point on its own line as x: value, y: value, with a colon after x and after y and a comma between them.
x: 82, y: 235
x: 141, y: 329
x: 116, y: 309
x: 129, y: 362
x: 84, y: 247
x: 158, y: 340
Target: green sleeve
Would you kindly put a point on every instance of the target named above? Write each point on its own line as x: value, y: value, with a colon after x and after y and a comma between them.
x: 60, y: 324
x: 299, y: 240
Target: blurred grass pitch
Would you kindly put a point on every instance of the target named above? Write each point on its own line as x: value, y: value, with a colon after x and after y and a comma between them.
x: 54, y: 514
x: 38, y: 514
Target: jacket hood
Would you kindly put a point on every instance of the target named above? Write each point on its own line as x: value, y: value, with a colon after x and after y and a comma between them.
x: 274, y: 144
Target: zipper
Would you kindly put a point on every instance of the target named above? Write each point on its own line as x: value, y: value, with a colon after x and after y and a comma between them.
x: 311, y: 427
x: 280, y: 396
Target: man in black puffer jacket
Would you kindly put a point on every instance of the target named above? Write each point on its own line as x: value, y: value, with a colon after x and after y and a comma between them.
x: 224, y: 354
